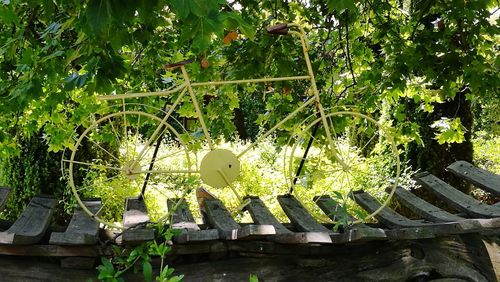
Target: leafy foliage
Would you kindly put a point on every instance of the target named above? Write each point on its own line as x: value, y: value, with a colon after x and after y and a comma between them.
x: 34, y: 172
x: 400, y: 61
x: 139, y: 259
x: 58, y: 55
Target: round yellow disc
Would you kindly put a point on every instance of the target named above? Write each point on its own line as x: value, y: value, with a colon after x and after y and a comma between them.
x: 219, y: 168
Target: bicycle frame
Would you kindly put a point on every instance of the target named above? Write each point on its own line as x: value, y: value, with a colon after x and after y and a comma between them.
x: 224, y: 162
x: 187, y: 86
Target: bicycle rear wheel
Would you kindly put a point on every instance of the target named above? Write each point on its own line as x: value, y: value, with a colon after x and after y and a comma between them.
x: 112, y: 158
x: 364, y: 157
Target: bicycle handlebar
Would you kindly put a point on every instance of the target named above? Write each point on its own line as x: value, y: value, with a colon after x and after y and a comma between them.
x: 278, y: 29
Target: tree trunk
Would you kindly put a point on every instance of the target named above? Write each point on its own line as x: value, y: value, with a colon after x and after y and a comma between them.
x: 239, y: 122
x: 434, y: 157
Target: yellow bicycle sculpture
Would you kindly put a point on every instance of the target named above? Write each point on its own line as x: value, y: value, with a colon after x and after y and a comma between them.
x: 127, y: 140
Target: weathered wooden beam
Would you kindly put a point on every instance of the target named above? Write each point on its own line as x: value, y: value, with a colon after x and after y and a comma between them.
x: 492, y: 244
x: 136, y: 212
x: 33, y: 269
x: 4, y: 195
x: 423, y: 208
x: 82, y: 229
x: 220, y: 218
x: 78, y: 262
x: 135, y: 218
x: 423, y: 229
x: 30, y: 227
x: 54, y: 251
x: 261, y: 215
x: 410, y: 233
x: 401, y: 227
x: 356, y: 233
x: 455, y: 198
x: 386, y: 216
x: 183, y: 219
x: 190, y: 236
x: 299, y: 216
x: 453, y: 258
x: 481, y: 178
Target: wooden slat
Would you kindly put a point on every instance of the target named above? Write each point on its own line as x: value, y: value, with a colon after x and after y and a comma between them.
x: 299, y: 216
x: 455, y: 198
x: 219, y: 217
x: 386, y: 216
x: 489, y: 226
x: 135, y: 217
x: 183, y: 219
x: 192, y: 236
x: 30, y: 227
x: 78, y: 262
x: 410, y: 233
x: 261, y: 215
x: 4, y: 195
x: 428, y: 230
x: 135, y: 213
x: 82, y: 229
x: 55, y: 251
x: 357, y: 232
x: 423, y: 208
x: 479, y: 177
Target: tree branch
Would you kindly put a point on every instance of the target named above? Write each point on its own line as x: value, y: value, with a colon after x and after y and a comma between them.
x: 347, y: 47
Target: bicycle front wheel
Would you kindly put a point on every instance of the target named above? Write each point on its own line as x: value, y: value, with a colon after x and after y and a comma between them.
x: 119, y: 153
x: 360, y: 155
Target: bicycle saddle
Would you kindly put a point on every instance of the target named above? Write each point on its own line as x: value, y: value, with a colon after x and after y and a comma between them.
x: 178, y: 64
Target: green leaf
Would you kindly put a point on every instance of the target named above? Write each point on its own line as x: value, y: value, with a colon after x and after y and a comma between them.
x: 147, y: 271
x: 106, y: 270
x: 181, y: 8
x: 176, y: 278
x: 233, y: 20
x: 75, y: 81
x: 51, y: 29
x: 253, y: 278
x: 199, y: 7
x: 53, y: 55
x: 7, y: 16
x: 449, y: 130
x: 99, y: 16
x: 204, y: 28
x: 341, y: 5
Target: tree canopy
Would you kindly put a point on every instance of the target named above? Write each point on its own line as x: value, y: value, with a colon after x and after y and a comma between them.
x: 406, y: 57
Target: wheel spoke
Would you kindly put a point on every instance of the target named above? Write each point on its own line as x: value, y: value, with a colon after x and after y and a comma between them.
x: 97, y: 184
x: 363, y: 148
x: 93, y: 165
x: 161, y: 191
x: 164, y: 157
x: 155, y: 141
x: 136, y: 138
x: 125, y: 130
x: 100, y: 209
x: 164, y: 171
x: 349, y: 185
x: 95, y: 143
x: 115, y: 132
